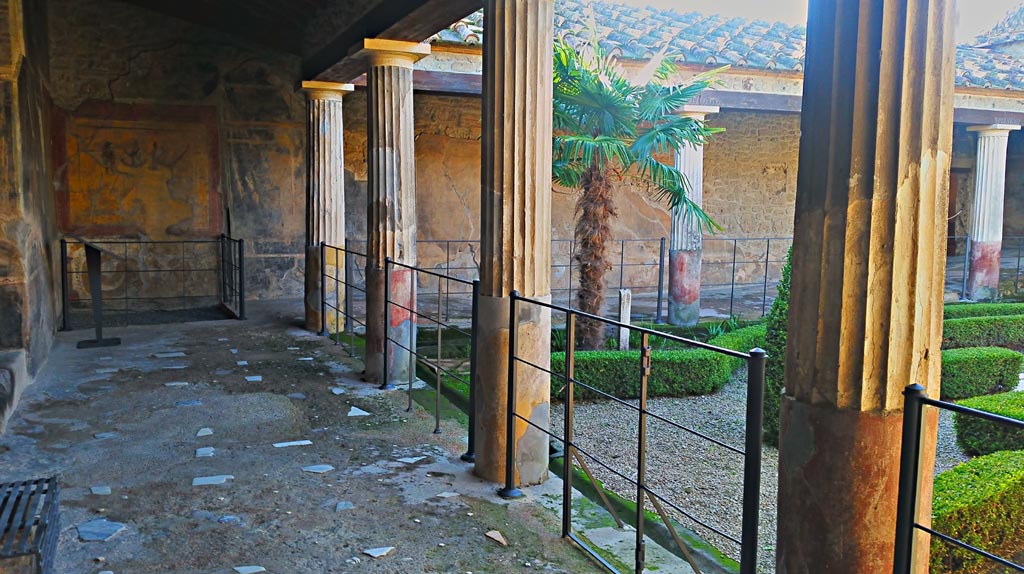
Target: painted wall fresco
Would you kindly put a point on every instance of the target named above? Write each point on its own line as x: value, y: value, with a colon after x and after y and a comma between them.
x: 140, y: 171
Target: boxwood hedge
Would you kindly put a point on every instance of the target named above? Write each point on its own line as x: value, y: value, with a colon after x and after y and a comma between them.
x: 979, y: 436
x: 988, y: 331
x: 980, y: 502
x: 961, y: 310
x: 674, y: 373
x: 977, y: 371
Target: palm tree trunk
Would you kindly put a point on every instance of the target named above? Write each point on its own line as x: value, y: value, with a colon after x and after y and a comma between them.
x: 594, y: 212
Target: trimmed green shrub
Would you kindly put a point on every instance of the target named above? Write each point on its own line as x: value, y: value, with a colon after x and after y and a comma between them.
x: 978, y: 436
x: 775, y: 346
x: 674, y: 373
x: 974, y: 371
x: 995, y: 331
x: 980, y: 502
x: 961, y: 310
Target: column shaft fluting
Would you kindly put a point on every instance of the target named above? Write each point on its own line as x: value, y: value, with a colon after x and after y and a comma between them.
x: 325, y: 196
x: 515, y: 231
x: 987, y: 219
x: 865, y: 316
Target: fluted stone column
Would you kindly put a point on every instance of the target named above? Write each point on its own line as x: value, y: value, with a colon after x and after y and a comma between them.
x: 390, y: 203
x: 685, y: 237
x: 987, y: 221
x: 515, y: 244
x: 865, y: 317
x: 325, y: 196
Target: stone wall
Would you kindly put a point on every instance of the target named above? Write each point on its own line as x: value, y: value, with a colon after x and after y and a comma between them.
x: 28, y: 302
x: 212, y: 136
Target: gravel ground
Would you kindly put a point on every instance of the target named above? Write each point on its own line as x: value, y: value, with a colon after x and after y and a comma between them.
x: 694, y: 474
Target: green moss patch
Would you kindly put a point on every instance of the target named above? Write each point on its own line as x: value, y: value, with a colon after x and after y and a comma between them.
x: 980, y: 502
x: 979, y: 436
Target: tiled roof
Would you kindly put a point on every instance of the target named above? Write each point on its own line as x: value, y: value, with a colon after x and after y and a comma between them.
x: 1011, y: 29
x: 640, y: 33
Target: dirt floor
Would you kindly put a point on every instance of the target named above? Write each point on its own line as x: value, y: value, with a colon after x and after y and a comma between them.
x: 112, y: 418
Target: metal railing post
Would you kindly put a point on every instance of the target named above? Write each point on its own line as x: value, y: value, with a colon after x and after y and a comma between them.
x: 386, y: 375
x: 323, y: 288
x: 437, y: 367
x: 222, y: 269
x: 967, y: 265
x: 349, y: 324
x: 641, y: 452
x: 470, y: 455
x: 906, y: 502
x: 661, y: 280
x: 732, y: 283
x: 241, y: 279
x: 64, y: 284
x: 764, y: 296
x: 752, y: 461
x: 569, y: 398
x: 510, y: 490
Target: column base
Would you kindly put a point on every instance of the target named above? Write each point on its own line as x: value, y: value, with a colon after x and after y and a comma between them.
x: 983, y: 279
x: 533, y: 390
x: 684, y: 287
x: 845, y: 525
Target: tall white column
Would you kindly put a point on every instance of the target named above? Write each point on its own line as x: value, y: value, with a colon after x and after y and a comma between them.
x: 325, y: 194
x: 987, y: 221
x: 685, y: 237
x: 390, y: 204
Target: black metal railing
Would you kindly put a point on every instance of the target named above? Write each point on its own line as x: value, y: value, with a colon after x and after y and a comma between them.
x: 342, y: 294
x: 910, y: 471
x: 444, y: 321
x: 139, y: 281
x: 576, y: 455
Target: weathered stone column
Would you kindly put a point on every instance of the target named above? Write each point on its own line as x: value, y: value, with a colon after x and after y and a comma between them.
x: 686, y: 236
x: 987, y: 221
x: 390, y: 202
x: 515, y: 243
x: 325, y: 194
x: 865, y: 318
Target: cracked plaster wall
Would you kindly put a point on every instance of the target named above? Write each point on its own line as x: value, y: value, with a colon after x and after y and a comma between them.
x: 114, y: 55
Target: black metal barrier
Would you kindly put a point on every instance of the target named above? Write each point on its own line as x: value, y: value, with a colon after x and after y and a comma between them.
x: 751, y: 454
x: 145, y: 281
x: 350, y: 310
x: 443, y: 319
x: 910, y: 471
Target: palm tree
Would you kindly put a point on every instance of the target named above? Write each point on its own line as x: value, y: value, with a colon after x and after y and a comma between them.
x: 608, y: 129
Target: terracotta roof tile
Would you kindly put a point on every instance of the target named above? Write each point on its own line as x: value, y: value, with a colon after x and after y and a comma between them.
x: 639, y: 33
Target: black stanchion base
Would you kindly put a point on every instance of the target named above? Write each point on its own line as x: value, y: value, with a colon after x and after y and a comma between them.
x: 96, y: 344
x: 468, y: 457
x: 387, y: 387
x: 510, y: 493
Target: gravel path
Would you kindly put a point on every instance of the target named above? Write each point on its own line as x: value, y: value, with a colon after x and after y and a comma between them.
x: 702, y: 478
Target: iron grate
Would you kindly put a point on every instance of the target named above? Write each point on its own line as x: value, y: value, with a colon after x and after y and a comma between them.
x: 30, y: 523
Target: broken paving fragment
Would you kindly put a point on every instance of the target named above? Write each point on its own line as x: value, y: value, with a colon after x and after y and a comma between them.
x: 249, y: 569
x: 254, y: 378
x: 107, y: 371
x: 99, y: 530
x: 205, y: 431
x: 242, y: 363
x: 411, y: 459
x: 497, y: 537
x: 176, y: 384
x: 171, y: 355
x: 305, y: 358
x: 204, y: 452
x: 100, y: 490
x: 189, y: 403
x: 318, y: 468
x: 292, y: 443
x: 344, y: 505
x: 105, y: 435
x: 209, y: 480
x: 338, y: 390
x: 379, y: 552
x: 448, y: 495
x: 357, y: 412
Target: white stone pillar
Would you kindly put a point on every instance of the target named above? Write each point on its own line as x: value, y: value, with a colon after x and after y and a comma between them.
x: 390, y: 204
x: 325, y: 194
x: 987, y: 220
x: 685, y: 236
x: 515, y: 242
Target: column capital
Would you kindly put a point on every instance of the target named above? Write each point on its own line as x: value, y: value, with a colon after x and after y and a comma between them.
x: 993, y: 130
x: 316, y: 90
x: 697, y: 112
x: 380, y: 52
